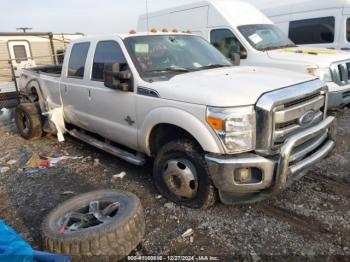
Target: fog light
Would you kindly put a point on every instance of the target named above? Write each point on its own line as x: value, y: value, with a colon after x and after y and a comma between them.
x: 250, y: 175
x: 243, y: 175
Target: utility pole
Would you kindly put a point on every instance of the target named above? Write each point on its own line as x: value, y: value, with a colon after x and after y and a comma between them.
x: 24, y: 29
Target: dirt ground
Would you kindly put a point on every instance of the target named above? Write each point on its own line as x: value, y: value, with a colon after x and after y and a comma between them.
x: 310, y: 220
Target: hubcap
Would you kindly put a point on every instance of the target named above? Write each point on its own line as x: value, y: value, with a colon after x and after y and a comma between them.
x: 94, y: 214
x: 181, y: 178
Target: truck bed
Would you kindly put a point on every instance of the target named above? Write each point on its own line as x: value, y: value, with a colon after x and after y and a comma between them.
x: 52, y: 70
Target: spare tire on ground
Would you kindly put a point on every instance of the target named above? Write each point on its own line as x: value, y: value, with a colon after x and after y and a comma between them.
x: 106, y: 224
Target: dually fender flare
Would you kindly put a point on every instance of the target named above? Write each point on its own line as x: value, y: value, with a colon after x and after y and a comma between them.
x: 167, y: 115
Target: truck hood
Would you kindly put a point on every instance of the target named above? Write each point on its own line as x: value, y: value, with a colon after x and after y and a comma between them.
x: 320, y: 57
x: 226, y: 87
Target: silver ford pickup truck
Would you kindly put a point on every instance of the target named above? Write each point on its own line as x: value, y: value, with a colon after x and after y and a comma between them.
x: 238, y: 133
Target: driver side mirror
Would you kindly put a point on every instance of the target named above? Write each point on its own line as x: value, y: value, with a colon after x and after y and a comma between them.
x: 235, y: 58
x: 114, y: 78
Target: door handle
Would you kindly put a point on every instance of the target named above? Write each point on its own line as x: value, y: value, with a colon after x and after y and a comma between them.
x: 65, y: 89
x: 89, y: 91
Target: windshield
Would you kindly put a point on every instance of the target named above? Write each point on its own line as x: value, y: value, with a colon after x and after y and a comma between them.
x: 265, y: 37
x: 160, y: 57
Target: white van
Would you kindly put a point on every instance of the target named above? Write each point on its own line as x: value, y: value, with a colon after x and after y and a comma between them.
x: 324, y: 23
x: 238, y: 28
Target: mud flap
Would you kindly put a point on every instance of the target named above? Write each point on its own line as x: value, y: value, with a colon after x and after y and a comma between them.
x: 9, y: 100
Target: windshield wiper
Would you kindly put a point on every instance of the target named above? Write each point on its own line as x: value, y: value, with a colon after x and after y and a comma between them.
x: 212, y: 66
x: 169, y: 69
x: 277, y: 47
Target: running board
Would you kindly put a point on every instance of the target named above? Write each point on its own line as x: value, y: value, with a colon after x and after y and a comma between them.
x: 125, y: 155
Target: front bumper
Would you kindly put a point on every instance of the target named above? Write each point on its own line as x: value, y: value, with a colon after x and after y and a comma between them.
x: 338, y: 99
x: 299, y: 153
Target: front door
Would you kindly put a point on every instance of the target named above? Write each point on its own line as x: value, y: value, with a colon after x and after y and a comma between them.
x: 20, y: 55
x: 111, y: 112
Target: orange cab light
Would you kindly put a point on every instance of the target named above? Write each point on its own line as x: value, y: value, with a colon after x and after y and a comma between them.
x: 175, y: 30
x: 154, y: 30
x: 165, y: 30
x: 132, y: 32
x: 215, y: 123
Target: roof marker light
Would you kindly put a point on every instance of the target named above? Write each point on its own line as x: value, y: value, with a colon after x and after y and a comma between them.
x: 132, y: 32
x: 154, y: 30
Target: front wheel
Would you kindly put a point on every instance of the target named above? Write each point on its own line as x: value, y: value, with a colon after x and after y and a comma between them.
x: 181, y: 175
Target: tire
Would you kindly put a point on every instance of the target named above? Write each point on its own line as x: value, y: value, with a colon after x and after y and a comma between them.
x: 111, y: 240
x: 28, y: 121
x: 194, y: 188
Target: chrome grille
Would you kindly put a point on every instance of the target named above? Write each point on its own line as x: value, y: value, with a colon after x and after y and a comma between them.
x: 281, y: 114
x: 287, y: 119
x: 341, y: 72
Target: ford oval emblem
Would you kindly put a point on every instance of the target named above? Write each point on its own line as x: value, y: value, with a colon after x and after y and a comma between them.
x: 307, y: 118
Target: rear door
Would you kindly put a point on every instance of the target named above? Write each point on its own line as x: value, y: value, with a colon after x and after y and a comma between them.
x: 74, y: 87
x: 21, y: 56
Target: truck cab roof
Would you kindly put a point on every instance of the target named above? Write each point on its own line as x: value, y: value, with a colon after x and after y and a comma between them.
x: 126, y: 35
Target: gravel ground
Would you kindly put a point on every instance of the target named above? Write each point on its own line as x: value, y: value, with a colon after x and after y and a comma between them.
x: 310, y: 220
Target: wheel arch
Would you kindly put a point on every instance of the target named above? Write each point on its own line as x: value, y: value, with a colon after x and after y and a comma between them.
x: 175, y: 123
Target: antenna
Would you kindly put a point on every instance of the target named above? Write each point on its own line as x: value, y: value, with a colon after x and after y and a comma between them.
x: 147, y: 15
x: 24, y: 29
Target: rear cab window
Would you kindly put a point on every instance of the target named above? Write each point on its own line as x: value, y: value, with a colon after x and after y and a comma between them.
x: 77, y: 60
x: 108, y: 51
x: 312, y: 31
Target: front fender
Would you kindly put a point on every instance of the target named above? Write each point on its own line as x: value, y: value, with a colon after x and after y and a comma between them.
x: 165, y: 115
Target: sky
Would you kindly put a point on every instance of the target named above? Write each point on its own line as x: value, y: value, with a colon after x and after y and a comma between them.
x: 86, y: 16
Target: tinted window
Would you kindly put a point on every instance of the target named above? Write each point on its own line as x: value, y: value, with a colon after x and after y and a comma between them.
x: 77, y: 60
x: 106, y: 52
x: 225, y: 41
x: 20, y: 53
x: 312, y: 31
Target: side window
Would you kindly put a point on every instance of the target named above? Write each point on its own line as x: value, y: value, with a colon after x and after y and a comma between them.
x: 106, y: 52
x: 225, y: 41
x: 20, y: 53
x: 312, y: 31
x: 77, y: 60
x: 348, y: 29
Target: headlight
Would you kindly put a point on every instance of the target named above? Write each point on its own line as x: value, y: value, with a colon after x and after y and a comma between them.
x: 234, y: 126
x: 323, y: 73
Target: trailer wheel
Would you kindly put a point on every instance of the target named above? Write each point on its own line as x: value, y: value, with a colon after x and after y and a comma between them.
x: 28, y: 121
x: 106, y: 223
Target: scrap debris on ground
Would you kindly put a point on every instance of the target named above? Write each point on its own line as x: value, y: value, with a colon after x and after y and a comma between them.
x: 310, y: 219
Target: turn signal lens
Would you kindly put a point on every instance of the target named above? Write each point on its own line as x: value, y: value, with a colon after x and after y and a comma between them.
x: 215, y: 123
x: 312, y: 71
